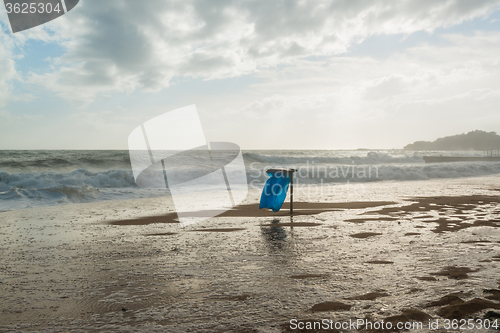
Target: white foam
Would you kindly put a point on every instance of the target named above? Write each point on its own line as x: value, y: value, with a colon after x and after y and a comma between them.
x: 37, y: 178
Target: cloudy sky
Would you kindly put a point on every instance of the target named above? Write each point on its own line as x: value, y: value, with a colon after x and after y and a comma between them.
x: 263, y: 74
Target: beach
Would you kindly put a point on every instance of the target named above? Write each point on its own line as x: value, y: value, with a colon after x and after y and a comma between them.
x: 139, y: 139
x: 414, y: 251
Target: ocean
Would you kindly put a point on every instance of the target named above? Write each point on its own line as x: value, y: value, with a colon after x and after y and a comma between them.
x: 37, y: 178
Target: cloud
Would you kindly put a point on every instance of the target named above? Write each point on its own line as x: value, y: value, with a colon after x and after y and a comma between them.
x: 384, y: 87
x: 123, y: 46
x: 11, y: 49
x: 9, y: 73
x: 423, y: 92
x: 11, y: 121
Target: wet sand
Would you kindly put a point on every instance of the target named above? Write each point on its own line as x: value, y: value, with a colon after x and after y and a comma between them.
x: 252, y: 210
x: 130, y: 267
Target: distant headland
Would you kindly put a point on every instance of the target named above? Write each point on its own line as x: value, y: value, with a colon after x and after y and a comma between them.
x: 475, y: 140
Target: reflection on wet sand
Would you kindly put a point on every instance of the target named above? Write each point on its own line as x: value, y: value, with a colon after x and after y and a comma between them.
x: 278, y: 240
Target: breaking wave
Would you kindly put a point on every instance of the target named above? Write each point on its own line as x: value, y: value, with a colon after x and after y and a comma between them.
x: 43, y: 178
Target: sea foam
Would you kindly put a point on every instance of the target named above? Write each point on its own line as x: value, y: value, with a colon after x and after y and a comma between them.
x: 42, y: 178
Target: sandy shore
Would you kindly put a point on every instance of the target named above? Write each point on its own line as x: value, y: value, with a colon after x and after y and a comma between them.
x: 397, y: 252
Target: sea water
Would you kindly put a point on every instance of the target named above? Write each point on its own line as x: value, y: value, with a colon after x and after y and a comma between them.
x: 36, y: 178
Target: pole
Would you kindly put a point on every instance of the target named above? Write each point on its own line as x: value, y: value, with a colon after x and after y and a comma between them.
x: 291, y: 193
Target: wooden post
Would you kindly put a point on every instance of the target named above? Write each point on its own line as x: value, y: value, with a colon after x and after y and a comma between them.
x: 291, y: 193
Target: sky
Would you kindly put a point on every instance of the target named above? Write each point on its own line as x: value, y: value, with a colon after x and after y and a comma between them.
x: 342, y: 74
